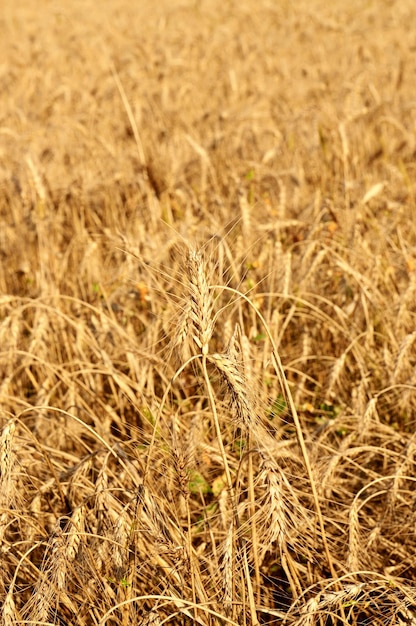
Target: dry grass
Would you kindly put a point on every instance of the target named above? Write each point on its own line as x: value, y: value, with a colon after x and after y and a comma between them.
x: 207, y: 313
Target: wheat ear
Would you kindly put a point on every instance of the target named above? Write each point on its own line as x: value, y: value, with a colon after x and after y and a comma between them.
x: 197, y: 318
x: 7, y: 461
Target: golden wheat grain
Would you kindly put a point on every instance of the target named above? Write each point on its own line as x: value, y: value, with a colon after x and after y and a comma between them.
x: 237, y: 388
x: 370, y: 416
x: 287, y: 276
x: 336, y: 373
x: 58, y: 558
x: 39, y: 606
x: 152, y: 618
x: 359, y: 397
x: 334, y: 601
x: 181, y: 340
x: 277, y: 527
x: 181, y: 458
x: 7, y: 457
x: 10, y: 615
x: 74, y: 533
x: 200, y: 310
x: 354, y: 540
x: 281, y: 521
x: 7, y: 479
x: 122, y: 535
x: 403, y: 367
x: 404, y: 319
x: 309, y: 613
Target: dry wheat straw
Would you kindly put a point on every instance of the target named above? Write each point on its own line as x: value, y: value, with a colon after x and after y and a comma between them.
x: 181, y: 459
x: 227, y: 569
x: 306, y: 351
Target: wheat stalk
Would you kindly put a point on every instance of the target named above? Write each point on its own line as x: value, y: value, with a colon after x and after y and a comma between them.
x: 227, y: 569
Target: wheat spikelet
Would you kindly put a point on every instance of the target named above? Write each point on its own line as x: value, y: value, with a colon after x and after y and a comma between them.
x: 354, y: 543
x: 10, y: 615
x: 79, y: 481
x: 276, y: 516
x: 369, y: 416
x: 310, y: 261
x: 37, y: 180
x: 122, y: 532
x: 335, y: 376
x: 330, y: 474
x: 40, y: 331
x: 101, y: 494
x: 281, y: 520
x: 237, y: 387
x: 198, y: 311
x: 224, y: 509
x: 404, y: 318
x: 6, y: 459
x: 39, y: 606
x: 7, y: 479
x: 328, y: 601
x: 359, y: 397
x: 57, y: 559
x: 228, y: 329
x: 406, y: 467
x: 151, y: 618
x: 403, y: 366
x: 182, y: 332
x: 309, y: 613
x: 287, y: 264
x: 246, y: 354
x: 76, y: 528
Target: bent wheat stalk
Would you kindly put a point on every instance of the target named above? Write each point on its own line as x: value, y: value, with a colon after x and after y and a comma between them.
x: 278, y: 367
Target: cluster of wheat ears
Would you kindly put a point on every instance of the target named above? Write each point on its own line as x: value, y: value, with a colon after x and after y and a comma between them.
x: 214, y: 504
x: 207, y: 313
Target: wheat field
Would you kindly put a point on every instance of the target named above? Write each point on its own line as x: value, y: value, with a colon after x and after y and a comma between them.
x: 207, y: 313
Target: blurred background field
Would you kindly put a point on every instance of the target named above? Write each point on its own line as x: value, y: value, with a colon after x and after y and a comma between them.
x: 278, y: 138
